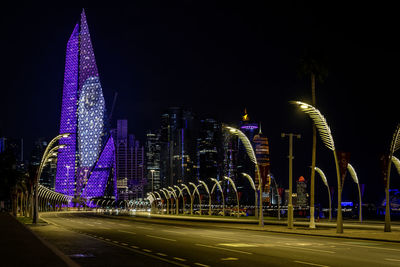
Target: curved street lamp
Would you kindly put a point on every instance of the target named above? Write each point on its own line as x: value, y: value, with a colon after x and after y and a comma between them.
x: 323, y: 177
x: 191, y: 197
x: 353, y: 174
x: 166, y: 194
x: 183, y: 199
x: 394, y: 146
x: 279, y: 197
x: 159, y: 196
x: 255, y: 191
x: 176, y: 199
x: 234, y: 188
x: 326, y: 137
x: 49, y: 151
x: 222, y: 192
x: 250, y: 152
x: 198, y: 193
x: 209, y: 195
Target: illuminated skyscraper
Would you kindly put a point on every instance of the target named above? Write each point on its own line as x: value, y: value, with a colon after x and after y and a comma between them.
x: 82, y: 115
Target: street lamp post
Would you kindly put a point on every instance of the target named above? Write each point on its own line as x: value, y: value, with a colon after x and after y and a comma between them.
x: 353, y: 174
x: 290, y: 204
x: 255, y: 192
x: 222, y: 192
x: 252, y: 156
x: 176, y: 199
x: 395, y: 145
x: 191, y: 197
x: 198, y: 193
x: 323, y: 177
x: 237, y: 196
x: 159, y: 196
x: 183, y: 199
x: 326, y: 136
x: 46, y: 155
x: 166, y: 198
x: 279, y: 199
x: 209, y: 196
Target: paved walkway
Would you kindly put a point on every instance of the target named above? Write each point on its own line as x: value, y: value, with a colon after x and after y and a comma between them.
x: 21, y: 247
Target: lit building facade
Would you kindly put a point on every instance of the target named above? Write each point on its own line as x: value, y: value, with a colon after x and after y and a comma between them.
x: 88, y: 160
x: 153, y: 157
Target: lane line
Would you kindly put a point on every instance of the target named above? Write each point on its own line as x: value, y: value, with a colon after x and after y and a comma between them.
x: 142, y: 227
x: 202, y: 265
x: 163, y: 238
x: 127, y: 232
x: 310, y: 249
x: 227, y: 249
x: 161, y: 254
x: 179, y: 259
x: 147, y: 250
x: 361, y: 246
x: 216, y: 237
x: 134, y: 247
x: 310, y: 263
x: 175, y: 232
x: 388, y: 259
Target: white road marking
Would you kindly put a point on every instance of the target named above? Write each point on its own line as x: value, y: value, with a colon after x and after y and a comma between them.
x: 361, y: 246
x: 310, y: 263
x: 179, y: 259
x: 238, y: 245
x: 163, y: 238
x: 310, y: 249
x: 128, y: 232
x: 134, y: 247
x: 161, y: 254
x: 216, y: 237
x: 142, y: 227
x: 229, y: 259
x: 227, y: 249
x: 392, y: 259
x: 175, y: 232
x: 147, y: 250
x: 202, y: 265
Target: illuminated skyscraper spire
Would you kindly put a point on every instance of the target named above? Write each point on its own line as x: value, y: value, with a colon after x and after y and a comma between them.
x: 82, y: 115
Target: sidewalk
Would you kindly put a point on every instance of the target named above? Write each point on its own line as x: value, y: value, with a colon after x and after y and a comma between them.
x: 21, y: 247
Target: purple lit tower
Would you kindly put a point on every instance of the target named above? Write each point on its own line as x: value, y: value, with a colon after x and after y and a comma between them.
x: 82, y: 115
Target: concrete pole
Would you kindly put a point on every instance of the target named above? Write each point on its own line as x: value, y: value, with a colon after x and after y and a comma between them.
x: 290, y: 204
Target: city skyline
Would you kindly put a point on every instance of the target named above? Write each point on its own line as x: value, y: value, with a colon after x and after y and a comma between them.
x: 264, y: 86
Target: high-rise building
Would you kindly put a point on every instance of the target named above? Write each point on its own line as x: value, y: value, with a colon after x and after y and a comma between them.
x: 82, y: 115
x: 302, y: 195
x: 130, y: 163
x: 178, y: 147
x: 209, y: 150
x: 262, y: 154
x: 153, y: 154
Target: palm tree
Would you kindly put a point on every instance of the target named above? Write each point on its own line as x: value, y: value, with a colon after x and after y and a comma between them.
x: 311, y: 64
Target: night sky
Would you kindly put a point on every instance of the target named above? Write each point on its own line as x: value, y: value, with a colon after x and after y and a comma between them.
x: 218, y: 60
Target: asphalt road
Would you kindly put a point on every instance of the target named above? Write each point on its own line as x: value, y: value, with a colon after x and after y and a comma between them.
x: 93, y: 240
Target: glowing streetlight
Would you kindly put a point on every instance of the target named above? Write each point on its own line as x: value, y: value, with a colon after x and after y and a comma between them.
x: 222, y: 192
x: 183, y: 199
x: 234, y: 188
x: 326, y: 137
x: 198, y: 193
x: 209, y: 195
x: 166, y: 194
x: 176, y: 199
x: 49, y: 151
x: 191, y: 197
x: 323, y: 177
x: 394, y: 146
x: 353, y: 174
x: 255, y: 191
x: 250, y: 152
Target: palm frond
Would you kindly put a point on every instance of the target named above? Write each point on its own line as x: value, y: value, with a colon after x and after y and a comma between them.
x: 319, y: 121
x: 322, y: 175
x: 352, y: 172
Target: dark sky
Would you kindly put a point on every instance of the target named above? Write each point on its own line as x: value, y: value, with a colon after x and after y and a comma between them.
x: 218, y: 60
